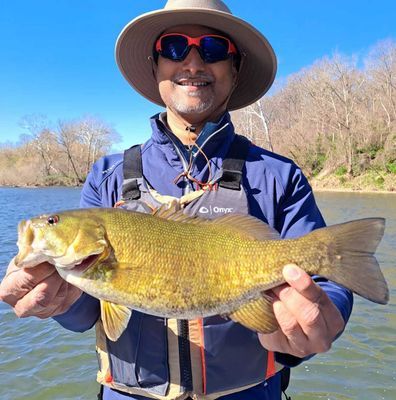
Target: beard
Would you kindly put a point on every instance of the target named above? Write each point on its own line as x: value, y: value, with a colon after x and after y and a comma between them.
x: 184, y: 101
x: 200, y: 105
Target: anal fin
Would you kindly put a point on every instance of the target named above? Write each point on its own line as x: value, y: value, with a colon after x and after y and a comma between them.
x: 115, y: 319
x: 257, y: 315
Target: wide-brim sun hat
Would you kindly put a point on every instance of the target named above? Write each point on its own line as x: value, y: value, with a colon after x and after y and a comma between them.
x: 134, y: 48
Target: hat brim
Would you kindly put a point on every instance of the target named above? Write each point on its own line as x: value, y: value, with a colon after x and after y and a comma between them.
x: 134, y: 51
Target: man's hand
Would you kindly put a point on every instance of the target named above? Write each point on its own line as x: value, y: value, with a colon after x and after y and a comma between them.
x: 38, y: 291
x: 308, y: 320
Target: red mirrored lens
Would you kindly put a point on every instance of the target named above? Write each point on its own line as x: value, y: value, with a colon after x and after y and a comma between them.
x: 212, y: 48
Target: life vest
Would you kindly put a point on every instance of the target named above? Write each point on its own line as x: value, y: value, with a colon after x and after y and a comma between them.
x: 173, y: 359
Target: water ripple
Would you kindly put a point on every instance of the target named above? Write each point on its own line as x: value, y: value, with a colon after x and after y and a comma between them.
x: 41, y: 361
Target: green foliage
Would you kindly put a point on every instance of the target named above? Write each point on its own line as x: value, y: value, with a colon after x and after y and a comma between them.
x: 318, y: 163
x: 374, y: 179
x: 59, y: 180
x: 371, y: 150
x: 391, y: 167
x: 379, y: 181
x: 341, y: 170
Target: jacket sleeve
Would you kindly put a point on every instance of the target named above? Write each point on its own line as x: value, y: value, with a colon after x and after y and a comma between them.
x: 298, y: 214
x: 83, y: 314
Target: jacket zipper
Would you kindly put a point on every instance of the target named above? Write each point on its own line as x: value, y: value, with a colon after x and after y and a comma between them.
x: 182, y: 325
x: 185, y: 356
x: 187, y: 188
x: 212, y: 178
x: 184, y: 163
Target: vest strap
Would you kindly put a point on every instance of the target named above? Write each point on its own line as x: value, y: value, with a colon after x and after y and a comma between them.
x: 132, y: 170
x: 234, y: 162
x: 232, y: 168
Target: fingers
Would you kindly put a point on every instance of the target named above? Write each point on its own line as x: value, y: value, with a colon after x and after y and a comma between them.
x: 304, y: 302
x: 44, y: 303
x: 289, y: 338
x: 310, y: 305
x: 302, y: 283
x: 38, y: 291
x: 39, y: 298
x: 18, y: 282
x: 308, y: 319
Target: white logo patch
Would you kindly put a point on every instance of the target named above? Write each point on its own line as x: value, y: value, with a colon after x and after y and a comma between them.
x: 222, y: 210
x: 215, y: 210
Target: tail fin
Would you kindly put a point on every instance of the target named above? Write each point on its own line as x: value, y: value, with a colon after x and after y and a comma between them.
x: 355, y: 266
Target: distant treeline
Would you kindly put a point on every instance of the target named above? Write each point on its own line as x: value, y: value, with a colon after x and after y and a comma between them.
x: 336, y: 118
x: 55, y: 156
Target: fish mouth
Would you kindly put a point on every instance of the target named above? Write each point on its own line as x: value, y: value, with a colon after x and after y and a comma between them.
x: 85, y: 264
x: 27, y: 257
x: 25, y: 240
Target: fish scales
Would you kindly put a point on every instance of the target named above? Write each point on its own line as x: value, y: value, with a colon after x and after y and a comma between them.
x: 181, y: 267
x: 216, y: 266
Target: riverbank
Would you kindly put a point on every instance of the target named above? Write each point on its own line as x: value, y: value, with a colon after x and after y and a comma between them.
x: 59, y: 364
x: 346, y: 190
x: 370, y: 182
x: 316, y: 188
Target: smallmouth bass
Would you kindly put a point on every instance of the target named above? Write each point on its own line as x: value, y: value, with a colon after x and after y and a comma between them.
x: 176, y: 266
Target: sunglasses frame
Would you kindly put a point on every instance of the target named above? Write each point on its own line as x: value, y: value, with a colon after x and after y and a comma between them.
x: 195, y: 41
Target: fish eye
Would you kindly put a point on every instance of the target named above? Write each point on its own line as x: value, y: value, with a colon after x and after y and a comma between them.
x: 52, y: 220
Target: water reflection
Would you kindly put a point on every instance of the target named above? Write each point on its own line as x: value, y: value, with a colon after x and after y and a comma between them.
x: 40, y: 360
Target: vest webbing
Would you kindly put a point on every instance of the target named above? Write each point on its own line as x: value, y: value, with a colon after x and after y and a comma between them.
x: 233, y: 164
x: 231, y: 178
x: 232, y: 167
x: 132, y: 170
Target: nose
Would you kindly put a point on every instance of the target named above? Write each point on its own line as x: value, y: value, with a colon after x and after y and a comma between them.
x: 193, y: 62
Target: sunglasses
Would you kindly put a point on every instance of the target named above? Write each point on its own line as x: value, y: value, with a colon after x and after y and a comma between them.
x: 212, y: 48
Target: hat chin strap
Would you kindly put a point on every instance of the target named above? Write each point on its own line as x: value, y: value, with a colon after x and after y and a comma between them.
x: 153, y: 67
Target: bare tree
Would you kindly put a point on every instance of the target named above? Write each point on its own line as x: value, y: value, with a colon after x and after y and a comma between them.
x: 331, y: 117
x: 42, y: 139
x: 82, y: 142
x: 97, y: 136
x: 381, y: 70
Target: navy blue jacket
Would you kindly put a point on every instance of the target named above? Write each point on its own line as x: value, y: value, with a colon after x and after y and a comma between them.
x: 278, y: 193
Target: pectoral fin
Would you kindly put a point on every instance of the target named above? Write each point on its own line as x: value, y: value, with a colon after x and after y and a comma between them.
x: 115, y: 319
x: 257, y: 315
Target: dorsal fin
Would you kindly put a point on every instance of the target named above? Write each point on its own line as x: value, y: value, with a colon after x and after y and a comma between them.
x: 250, y: 227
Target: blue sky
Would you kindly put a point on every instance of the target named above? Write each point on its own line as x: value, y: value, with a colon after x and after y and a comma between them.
x: 57, y: 56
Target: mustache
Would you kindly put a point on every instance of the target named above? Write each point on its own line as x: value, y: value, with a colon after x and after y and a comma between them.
x: 188, y: 76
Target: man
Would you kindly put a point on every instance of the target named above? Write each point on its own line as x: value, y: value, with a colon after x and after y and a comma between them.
x: 198, y: 71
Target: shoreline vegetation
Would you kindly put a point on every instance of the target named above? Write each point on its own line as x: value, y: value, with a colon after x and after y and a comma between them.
x: 336, y: 119
x: 365, y: 183
x: 369, y: 182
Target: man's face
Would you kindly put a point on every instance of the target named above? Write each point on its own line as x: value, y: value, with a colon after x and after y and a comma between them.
x: 191, y: 88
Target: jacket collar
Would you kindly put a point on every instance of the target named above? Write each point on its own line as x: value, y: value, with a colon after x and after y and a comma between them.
x: 212, y: 135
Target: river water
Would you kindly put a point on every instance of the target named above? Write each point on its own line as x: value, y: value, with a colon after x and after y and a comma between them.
x: 39, y: 360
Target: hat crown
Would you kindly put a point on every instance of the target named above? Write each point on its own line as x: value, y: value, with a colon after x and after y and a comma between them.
x: 216, y: 5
